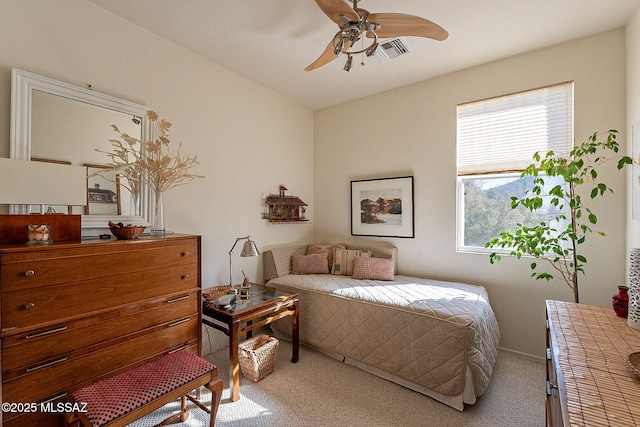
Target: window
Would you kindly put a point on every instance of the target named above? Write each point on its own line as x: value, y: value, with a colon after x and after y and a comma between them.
x: 496, y: 140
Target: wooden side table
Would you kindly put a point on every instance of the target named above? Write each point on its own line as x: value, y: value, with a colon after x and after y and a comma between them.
x: 264, y: 304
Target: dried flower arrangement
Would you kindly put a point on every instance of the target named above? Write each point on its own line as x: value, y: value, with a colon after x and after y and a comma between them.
x: 152, y: 163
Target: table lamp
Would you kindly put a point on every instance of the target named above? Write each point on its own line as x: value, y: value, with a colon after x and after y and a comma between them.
x: 248, y: 249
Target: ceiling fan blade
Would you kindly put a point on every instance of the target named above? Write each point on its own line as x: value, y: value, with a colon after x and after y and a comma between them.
x: 334, y: 8
x: 401, y: 24
x: 327, y: 56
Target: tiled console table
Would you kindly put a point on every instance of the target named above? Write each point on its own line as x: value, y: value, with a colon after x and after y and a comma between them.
x: 588, y: 383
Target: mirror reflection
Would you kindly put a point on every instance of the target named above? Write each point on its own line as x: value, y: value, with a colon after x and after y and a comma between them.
x: 70, y: 131
x: 58, y: 122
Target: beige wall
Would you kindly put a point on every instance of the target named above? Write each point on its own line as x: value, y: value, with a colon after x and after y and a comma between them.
x: 248, y: 139
x: 412, y: 131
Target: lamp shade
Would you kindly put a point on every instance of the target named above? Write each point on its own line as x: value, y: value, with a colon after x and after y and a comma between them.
x: 249, y: 249
x: 24, y: 182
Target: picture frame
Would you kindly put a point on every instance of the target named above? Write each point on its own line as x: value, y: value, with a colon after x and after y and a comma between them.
x: 383, y: 207
x: 59, y: 209
x: 103, y: 191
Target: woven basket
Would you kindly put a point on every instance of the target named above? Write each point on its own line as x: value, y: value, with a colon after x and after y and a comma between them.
x: 215, y: 292
x: 126, y: 232
x: 257, y: 357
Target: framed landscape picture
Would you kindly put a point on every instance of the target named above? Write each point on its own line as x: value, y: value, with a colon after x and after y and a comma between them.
x: 382, y: 207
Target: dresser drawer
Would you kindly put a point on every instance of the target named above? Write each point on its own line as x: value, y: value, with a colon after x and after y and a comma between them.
x: 62, y: 375
x: 49, y: 303
x: 58, y: 266
x: 84, y: 335
x: 73, y: 313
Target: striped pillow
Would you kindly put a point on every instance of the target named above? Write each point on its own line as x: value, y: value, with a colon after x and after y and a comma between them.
x: 343, y: 260
x: 373, y: 268
x: 318, y: 248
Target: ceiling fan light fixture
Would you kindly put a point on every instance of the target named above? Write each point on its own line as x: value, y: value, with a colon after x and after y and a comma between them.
x: 371, y: 50
x: 349, y: 63
x: 354, y: 22
x: 345, y: 22
x: 373, y: 27
x: 338, y: 48
x: 351, y: 34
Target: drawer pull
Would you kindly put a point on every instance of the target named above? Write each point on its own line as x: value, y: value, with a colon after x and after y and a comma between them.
x: 51, y: 399
x: 178, y: 299
x: 46, y: 365
x: 51, y: 331
x: 186, y: 253
x: 178, y: 322
x: 186, y: 276
x: 29, y: 273
x: 178, y: 349
x: 29, y: 306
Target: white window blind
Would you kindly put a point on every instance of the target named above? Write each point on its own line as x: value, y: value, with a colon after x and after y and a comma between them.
x: 502, y: 134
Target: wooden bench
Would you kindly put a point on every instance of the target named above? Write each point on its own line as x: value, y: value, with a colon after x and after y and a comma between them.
x: 125, y: 397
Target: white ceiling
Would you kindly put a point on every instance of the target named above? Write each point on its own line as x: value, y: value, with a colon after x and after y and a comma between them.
x: 271, y: 41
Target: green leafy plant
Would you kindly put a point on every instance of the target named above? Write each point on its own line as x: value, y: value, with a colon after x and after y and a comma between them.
x: 551, y: 241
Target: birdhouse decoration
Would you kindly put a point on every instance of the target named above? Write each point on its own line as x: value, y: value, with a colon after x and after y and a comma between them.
x: 280, y: 208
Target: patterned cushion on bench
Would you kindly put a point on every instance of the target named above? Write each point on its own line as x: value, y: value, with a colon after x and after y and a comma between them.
x: 113, y: 397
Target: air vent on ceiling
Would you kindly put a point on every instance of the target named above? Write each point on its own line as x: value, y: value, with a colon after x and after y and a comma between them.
x: 392, y: 48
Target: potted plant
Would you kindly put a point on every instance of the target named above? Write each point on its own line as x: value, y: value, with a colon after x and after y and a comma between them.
x: 556, y: 241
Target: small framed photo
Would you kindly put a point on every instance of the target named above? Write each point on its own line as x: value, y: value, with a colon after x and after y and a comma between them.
x: 382, y: 207
x: 103, y: 191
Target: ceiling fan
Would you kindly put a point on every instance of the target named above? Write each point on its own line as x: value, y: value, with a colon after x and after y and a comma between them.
x: 354, y: 21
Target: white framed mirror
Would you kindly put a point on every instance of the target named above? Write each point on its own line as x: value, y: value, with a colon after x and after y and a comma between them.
x: 61, y: 122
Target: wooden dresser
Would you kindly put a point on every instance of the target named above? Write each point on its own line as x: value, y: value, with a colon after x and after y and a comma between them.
x: 587, y: 380
x: 76, y: 312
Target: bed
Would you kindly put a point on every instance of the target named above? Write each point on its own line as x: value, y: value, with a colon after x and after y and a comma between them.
x: 434, y: 337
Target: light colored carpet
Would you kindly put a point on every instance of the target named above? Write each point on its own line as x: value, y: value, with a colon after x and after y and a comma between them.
x: 322, y: 391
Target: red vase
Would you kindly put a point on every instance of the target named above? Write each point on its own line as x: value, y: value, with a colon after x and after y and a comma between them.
x: 621, y: 301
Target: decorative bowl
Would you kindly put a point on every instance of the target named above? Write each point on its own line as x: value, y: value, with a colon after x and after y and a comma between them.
x: 126, y: 232
x: 633, y: 363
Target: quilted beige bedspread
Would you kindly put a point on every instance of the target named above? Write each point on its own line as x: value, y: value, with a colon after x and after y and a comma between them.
x: 428, y: 332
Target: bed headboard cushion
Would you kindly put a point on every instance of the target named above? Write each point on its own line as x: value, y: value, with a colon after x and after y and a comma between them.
x: 378, y: 251
x: 277, y: 261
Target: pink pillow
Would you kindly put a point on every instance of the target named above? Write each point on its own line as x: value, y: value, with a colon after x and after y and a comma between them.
x: 373, y: 268
x: 310, y: 264
x: 343, y: 260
